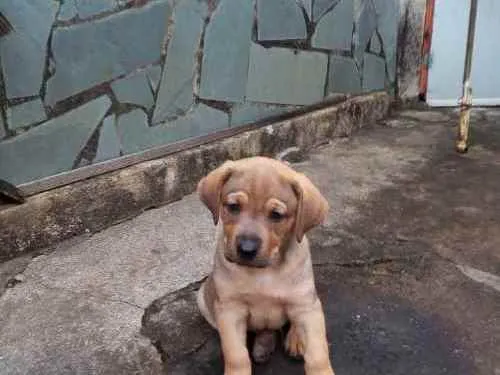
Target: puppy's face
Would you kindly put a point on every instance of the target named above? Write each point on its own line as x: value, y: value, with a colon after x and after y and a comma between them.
x: 263, y: 205
x: 258, y: 214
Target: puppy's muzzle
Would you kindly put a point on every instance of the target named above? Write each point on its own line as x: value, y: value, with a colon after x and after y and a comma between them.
x: 248, y: 246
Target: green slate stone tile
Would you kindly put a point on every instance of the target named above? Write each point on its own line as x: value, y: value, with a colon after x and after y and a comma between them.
x: 389, y: 14
x: 280, y: 20
x: 134, y: 89
x: 89, y: 8
x: 284, y: 76
x: 53, y: 146
x: 373, y: 73
x: 154, y: 76
x: 334, y: 30
x: 249, y: 112
x: 91, y: 53
x: 343, y: 76
x: 108, y: 146
x: 365, y: 26
x: 24, y: 50
x: 133, y: 131
x: 308, y: 7
x: 375, y: 44
x: 68, y: 10
x: 3, y: 132
x: 175, y: 94
x: 321, y: 7
x: 226, y: 51
x: 25, y: 114
x: 136, y: 136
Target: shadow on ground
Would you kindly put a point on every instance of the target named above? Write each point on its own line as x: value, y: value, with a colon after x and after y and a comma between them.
x: 395, y: 299
x: 371, y: 333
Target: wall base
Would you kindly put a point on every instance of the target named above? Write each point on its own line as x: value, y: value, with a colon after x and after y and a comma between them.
x: 96, y: 203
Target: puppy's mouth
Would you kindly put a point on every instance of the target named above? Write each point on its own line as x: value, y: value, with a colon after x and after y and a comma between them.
x: 256, y: 263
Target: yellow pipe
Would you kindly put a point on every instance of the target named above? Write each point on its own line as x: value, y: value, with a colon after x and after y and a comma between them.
x: 464, y: 124
x: 462, y: 143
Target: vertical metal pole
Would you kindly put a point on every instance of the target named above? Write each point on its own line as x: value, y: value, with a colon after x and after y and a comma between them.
x: 466, y: 101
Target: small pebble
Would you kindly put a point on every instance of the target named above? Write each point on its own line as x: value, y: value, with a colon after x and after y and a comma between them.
x: 292, y: 155
x: 334, y: 241
x: 402, y: 238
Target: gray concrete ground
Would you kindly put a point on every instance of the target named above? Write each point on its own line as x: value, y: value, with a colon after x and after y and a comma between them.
x: 407, y: 265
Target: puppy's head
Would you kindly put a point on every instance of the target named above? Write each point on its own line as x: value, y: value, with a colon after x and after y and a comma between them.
x: 263, y: 205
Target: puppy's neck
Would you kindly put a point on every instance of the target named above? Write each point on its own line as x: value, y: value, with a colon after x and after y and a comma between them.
x: 292, y: 248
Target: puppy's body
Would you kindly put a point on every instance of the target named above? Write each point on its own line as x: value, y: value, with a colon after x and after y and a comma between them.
x: 262, y: 276
x: 269, y: 295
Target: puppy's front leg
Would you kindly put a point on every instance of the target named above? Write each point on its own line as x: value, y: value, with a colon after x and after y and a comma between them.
x: 232, y: 326
x: 308, y: 332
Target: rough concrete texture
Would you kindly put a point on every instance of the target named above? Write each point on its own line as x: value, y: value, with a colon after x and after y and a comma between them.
x: 94, y: 204
x: 407, y: 266
x: 97, y: 288
x: 410, y: 36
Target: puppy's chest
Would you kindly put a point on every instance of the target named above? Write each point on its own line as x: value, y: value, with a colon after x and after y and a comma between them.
x: 267, y: 302
x: 267, y: 296
x: 266, y: 315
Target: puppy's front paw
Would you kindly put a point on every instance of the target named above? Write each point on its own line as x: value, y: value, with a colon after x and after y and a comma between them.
x: 237, y: 372
x: 327, y: 371
x: 238, y: 369
x: 293, y: 343
x: 264, y: 346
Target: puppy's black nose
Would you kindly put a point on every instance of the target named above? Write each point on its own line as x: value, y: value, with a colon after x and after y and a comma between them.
x: 248, y: 246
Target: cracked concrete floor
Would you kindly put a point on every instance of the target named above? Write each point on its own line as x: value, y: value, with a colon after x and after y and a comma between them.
x: 407, y: 264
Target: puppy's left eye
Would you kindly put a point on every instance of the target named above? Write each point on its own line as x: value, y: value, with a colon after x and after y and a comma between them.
x: 276, y: 215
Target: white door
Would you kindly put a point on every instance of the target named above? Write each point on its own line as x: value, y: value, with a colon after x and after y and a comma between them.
x: 449, y: 36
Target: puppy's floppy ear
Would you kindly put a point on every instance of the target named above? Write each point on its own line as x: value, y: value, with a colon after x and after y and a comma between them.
x: 312, y: 206
x: 210, y: 186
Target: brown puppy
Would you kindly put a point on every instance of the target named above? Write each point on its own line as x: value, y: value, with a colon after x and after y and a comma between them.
x: 263, y: 276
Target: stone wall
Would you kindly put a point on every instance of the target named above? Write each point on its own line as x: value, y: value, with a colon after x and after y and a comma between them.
x: 84, y: 81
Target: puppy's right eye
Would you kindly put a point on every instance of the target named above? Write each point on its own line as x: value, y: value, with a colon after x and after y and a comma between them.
x: 276, y: 216
x: 233, y: 208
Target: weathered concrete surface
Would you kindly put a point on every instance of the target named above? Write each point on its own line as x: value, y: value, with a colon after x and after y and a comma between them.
x: 10, y: 272
x: 407, y: 264
x: 93, y: 204
x: 78, y: 309
x: 406, y: 211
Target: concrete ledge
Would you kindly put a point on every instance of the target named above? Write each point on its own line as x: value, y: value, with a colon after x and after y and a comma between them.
x: 94, y: 204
